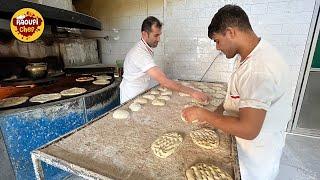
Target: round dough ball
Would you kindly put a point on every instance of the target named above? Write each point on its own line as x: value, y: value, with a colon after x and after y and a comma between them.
x: 141, y: 100
x: 158, y: 102
x: 166, y: 98
x: 120, y: 114
x: 135, y: 107
x: 154, y: 92
x: 149, y: 96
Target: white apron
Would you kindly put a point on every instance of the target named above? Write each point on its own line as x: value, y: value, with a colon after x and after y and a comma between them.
x: 259, y: 158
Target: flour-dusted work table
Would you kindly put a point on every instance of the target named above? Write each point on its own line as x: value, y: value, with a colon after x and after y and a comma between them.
x: 109, y: 148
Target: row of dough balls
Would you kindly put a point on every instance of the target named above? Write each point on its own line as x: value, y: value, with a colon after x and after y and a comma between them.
x: 164, y: 95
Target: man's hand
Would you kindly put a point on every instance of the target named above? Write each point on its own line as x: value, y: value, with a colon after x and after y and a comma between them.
x: 201, y: 96
x: 191, y: 113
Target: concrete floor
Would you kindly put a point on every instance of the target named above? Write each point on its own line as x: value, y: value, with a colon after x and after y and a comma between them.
x: 300, y: 159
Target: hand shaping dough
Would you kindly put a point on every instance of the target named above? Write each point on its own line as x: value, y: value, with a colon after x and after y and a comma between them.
x: 149, y: 96
x: 141, y: 100
x: 135, y: 107
x: 158, y: 102
x: 120, y: 114
x: 42, y: 98
x: 202, y: 171
x: 200, y: 102
x: 205, y: 138
x: 165, y: 145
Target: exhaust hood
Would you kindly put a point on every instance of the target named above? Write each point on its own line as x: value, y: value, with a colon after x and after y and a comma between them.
x: 52, y: 16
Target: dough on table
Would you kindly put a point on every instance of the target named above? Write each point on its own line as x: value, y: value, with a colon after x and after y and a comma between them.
x: 120, y: 114
x: 101, y: 82
x: 166, y: 98
x: 183, y: 94
x: 166, y: 144
x: 217, y: 85
x: 141, y: 100
x: 205, y: 138
x: 184, y: 119
x: 162, y: 89
x: 73, y: 91
x: 222, y: 92
x: 202, y: 171
x: 200, y: 102
x: 154, y: 92
x: 216, y: 102
x: 166, y: 93
x: 158, y: 102
x: 219, y: 96
x: 149, y: 96
x: 42, y: 98
x: 84, y: 79
x: 135, y: 107
x: 12, y: 101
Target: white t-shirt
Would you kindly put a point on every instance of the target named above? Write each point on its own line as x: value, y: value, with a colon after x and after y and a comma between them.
x: 135, y: 79
x: 261, y: 81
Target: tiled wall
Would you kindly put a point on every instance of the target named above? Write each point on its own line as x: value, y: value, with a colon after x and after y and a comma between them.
x: 186, y: 51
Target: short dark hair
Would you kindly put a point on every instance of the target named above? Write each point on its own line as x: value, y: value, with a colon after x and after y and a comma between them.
x: 148, y: 22
x: 229, y: 16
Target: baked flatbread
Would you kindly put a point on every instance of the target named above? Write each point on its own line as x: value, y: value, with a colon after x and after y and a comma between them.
x: 84, y: 79
x: 42, y: 98
x: 12, y: 101
x: 73, y: 91
x: 102, y: 77
x: 101, y: 82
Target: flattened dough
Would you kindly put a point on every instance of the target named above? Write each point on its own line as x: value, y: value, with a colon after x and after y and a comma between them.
x: 202, y: 171
x: 120, y: 114
x: 73, y: 91
x: 42, y: 98
x: 12, y: 101
x: 166, y: 144
x: 205, y: 138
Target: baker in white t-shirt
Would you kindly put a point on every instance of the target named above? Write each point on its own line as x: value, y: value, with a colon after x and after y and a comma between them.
x: 257, y: 107
x: 139, y: 66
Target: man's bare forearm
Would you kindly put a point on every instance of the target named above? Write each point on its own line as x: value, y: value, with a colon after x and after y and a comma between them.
x: 228, y: 124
